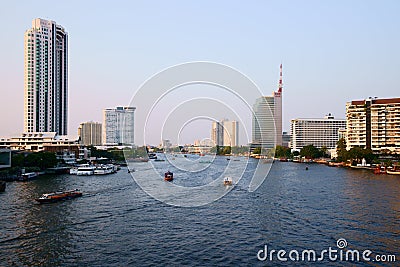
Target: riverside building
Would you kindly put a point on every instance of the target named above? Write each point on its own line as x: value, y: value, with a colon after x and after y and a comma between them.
x: 323, y: 132
x: 374, y: 123
x: 118, y: 126
x: 46, y: 78
x: 267, y: 119
x: 225, y: 133
x: 90, y: 133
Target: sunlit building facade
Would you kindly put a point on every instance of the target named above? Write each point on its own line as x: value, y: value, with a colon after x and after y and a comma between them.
x: 46, y: 78
x: 374, y: 123
x: 118, y: 126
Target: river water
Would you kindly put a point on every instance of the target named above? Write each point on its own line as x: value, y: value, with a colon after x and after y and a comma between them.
x: 116, y: 223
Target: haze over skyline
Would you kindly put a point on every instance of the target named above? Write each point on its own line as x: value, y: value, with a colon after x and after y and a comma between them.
x: 332, y: 52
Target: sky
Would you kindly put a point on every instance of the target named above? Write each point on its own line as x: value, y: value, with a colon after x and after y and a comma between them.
x: 332, y: 52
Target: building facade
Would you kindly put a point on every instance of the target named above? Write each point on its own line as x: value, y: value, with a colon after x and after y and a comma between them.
x: 267, y: 119
x: 322, y: 132
x: 374, y: 123
x: 225, y: 133
x: 118, y: 126
x: 90, y: 133
x: 46, y: 78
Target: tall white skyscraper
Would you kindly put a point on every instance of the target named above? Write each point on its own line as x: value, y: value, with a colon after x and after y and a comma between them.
x: 225, y: 133
x: 118, y: 126
x: 46, y: 78
x: 231, y: 133
x: 267, y: 119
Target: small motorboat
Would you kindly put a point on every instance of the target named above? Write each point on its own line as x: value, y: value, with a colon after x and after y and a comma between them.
x: 227, y: 181
x: 57, y: 196
x: 393, y: 171
x: 168, y: 176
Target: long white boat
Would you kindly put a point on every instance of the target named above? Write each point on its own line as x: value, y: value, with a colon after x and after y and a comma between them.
x: 393, y: 172
x: 85, y: 170
x: 104, y: 169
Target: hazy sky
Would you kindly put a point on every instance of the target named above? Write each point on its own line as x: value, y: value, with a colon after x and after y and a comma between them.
x: 332, y: 51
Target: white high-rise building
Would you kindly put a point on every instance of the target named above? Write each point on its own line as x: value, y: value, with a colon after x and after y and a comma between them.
x: 46, y: 78
x: 231, y: 133
x: 217, y: 135
x: 118, y: 126
x: 322, y: 132
x: 267, y: 119
x: 225, y: 133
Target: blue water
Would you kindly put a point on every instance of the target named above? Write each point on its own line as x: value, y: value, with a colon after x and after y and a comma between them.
x: 116, y: 223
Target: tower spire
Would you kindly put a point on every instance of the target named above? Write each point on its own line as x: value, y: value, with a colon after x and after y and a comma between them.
x: 280, y: 85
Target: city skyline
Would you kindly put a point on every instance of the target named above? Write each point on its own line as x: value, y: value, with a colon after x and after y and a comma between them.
x: 336, y: 53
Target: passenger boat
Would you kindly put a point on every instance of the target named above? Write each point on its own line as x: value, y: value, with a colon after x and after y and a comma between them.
x: 227, y: 181
x: 104, y: 169
x: 28, y: 176
x: 393, y: 171
x: 168, y: 176
x: 73, y: 171
x: 57, y: 196
x: 85, y: 170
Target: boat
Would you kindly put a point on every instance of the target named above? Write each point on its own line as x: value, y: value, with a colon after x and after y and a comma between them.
x: 85, y: 169
x: 2, y: 186
x: 159, y: 160
x: 393, y: 172
x: 152, y: 156
x: 28, y: 176
x: 168, y: 176
x: 227, y: 181
x: 73, y: 171
x: 57, y: 196
x: 104, y: 169
x: 379, y: 170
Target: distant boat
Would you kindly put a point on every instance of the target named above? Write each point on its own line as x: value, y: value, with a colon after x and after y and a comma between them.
x: 57, y: 196
x: 168, y: 176
x: 29, y: 176
x: 85, y: 170
x: 227, y: 180
x: 104, y: 169
x: 393, y: 172
x: 152, y: 156
x: 159, y: 160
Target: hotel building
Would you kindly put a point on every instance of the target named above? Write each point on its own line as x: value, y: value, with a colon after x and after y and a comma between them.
x: 323, y: 132
x: 118, y: 126
x: 267, y: 119
x: 90, y: 133
x: 374, y: 123
x: 46, y: 78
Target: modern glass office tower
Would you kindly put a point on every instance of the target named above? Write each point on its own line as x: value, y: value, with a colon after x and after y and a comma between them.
x: 46, y: 78
x: 118, y: 126
x: 267, y: 119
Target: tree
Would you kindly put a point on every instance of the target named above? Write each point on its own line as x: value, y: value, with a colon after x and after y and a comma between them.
x: 257, y: 150
x: 342, y: 153
x: 310, y: 152
x: 282, y: 152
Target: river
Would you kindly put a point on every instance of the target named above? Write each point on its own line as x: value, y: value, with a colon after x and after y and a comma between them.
x: 115, y: 223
